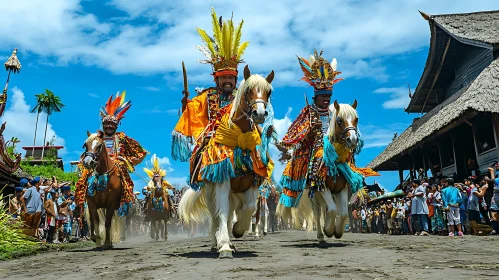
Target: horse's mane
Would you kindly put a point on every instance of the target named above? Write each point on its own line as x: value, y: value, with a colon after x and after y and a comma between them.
x: 253, y: 81
x: 346, y: 111
x: 91, y: 138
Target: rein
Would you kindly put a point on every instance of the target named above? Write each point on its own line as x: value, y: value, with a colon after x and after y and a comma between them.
x: 95, y: 157
x: 249, y: 105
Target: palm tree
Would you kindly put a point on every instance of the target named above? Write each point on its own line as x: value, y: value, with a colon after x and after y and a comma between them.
x: 51, y: 103
x: 40, y: 107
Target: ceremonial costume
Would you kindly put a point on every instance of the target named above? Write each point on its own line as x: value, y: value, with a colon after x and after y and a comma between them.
x: 123, y: 150
x: 158, y: 203
x: 306, y: 133
x: 223, y: 51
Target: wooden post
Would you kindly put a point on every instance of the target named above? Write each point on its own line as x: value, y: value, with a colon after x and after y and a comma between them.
x: 401, y: 175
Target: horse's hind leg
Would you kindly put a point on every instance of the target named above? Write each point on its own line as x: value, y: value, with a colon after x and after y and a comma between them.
x: 165, y: 233
x: 109, y: 219
x: 209, y: 193
x: 329, y: 219
x: 342, y: 199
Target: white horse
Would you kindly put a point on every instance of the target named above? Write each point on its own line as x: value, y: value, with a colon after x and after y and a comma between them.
x: 233, y: 195
x: 332, y: 201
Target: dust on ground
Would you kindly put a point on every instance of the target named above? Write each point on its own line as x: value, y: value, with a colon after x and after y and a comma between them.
x: 284, y: 255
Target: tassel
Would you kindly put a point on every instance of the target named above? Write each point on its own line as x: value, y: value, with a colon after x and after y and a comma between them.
x: 219, y: 172
x: 123, y: 210
x: 294, y: 185
x: 181, y: 147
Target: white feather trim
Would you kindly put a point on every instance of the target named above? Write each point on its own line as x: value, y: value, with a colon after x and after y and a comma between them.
x: 334, y: 64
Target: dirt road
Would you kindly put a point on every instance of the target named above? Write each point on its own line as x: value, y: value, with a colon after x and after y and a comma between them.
x: 286, y: 255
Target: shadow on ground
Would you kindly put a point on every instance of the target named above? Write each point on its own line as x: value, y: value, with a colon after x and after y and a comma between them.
x: 212, y: 255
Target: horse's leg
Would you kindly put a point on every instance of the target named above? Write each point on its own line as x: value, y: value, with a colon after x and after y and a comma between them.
x: 222, y: 192
x: 94, y: 227
x: 165, y: 234
x: 316, y: 202
x: 151, y: 222
x: 157, y: 224
x: 109, y: 218
x: 244, y: 216
x: 265, y: 220
x: 342, y: 199
x: 331, y: 210
x: 209, y: 193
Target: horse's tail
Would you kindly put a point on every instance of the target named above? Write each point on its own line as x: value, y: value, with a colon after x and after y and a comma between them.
x: 304, y: 212
x: 117, y: 230
x: 192, y: 206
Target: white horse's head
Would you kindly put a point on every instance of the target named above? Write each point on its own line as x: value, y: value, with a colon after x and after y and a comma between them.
x: 253, y: 96
x: 343, y: 126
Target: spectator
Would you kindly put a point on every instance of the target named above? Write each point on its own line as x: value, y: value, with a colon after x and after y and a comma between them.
x: 32, y: 206
x: 437, y: 220
x: 64, y: 221
x: 272, y: 202
x: 390, y: 214
x: 473, y: 205
x: 494, y: 203
x: 15, y: 204
x: 51, y: 210
x: 419, y: 208
x: 452, y: 200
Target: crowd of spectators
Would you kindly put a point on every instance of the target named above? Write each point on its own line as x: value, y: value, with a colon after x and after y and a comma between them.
x: 443, y: 207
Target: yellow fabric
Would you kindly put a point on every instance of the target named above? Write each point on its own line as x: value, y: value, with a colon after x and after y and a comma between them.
x: 195, y: 117
x: 342, y: 151
x: 232, y: 136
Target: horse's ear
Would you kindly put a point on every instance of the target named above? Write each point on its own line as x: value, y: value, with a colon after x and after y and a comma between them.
x: 336, y: 106
x: 247, y: 72
x: 270, y: 77
x: 88, y: 133
x: 100, y: 134
x: 354, y: 105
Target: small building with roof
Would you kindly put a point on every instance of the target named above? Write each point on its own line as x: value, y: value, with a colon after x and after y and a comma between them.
x: 457, y: 98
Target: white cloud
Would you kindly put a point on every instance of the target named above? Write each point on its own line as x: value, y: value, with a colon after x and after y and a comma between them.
x: 360, y: 34
x: 93, y: 95
x: 399, y: 97
x: 380, y: 136
x: 281, y: 126
x: 149, y: 88
x: 21, y: 123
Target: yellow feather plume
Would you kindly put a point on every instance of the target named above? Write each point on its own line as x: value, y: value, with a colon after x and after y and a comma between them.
x: 326, y: 72
x: 241, y: 50
x: 230, y: 54
x: 123, y: 95
x: 224, y: 51
x: 216, y: 27
x: 206, y: 39
x: 149, y: 172
x: 237, y: 39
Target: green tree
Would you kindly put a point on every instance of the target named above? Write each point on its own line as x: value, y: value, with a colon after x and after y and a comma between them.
x: 51, y: 104
x: 39, y: 108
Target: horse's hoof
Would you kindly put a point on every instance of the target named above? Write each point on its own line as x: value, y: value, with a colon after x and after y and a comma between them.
x: 236, y: 234
x: 322, y: 244
x: 338, y: 235
x: 108, y: 247
x: 264, y: 233
x: 328, y: 234
x: 225, y: 255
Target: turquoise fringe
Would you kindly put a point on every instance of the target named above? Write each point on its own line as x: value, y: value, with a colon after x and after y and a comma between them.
x: 219, y: 172
x: 123, y: 210
x: 355, y: 180
x: 241, y: 160
x: 287, y: 201
x: 360, y: 143
x: 181, y: 147
x: 294, y: 185
x: 97, y: 183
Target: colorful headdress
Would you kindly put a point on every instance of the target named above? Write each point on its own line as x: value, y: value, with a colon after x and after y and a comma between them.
x: 225, y: 50
x: 115, y: 109
x: 319, y: 73
x: 156, y: 169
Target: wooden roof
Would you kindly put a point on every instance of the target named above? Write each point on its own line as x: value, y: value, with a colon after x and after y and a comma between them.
x: 481, y: 96
x: 451, y: 35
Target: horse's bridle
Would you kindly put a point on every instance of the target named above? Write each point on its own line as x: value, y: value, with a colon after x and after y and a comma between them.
x: 95, y: 156
x: 249, y: 104
x: 345, y: 130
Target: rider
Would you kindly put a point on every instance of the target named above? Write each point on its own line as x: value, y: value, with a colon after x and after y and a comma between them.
x: 123, y: 150
x: 223, y: 52
x: 156, y: 174
x: 305, y: 135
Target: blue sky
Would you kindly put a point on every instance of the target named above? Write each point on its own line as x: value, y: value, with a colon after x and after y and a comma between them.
x: 84, y: 51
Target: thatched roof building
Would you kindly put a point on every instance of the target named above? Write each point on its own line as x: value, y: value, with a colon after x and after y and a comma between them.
x: 460, y: 81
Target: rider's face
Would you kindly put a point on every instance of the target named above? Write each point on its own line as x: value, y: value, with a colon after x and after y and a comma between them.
x: 109, y: 128
x: 323, y: 100
x: 227, y: 83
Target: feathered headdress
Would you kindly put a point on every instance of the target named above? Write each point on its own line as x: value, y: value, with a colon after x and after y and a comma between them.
x: 156, y: 169
x: 224, y: 50
x: 319, y: 73
x: 115, y: 110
